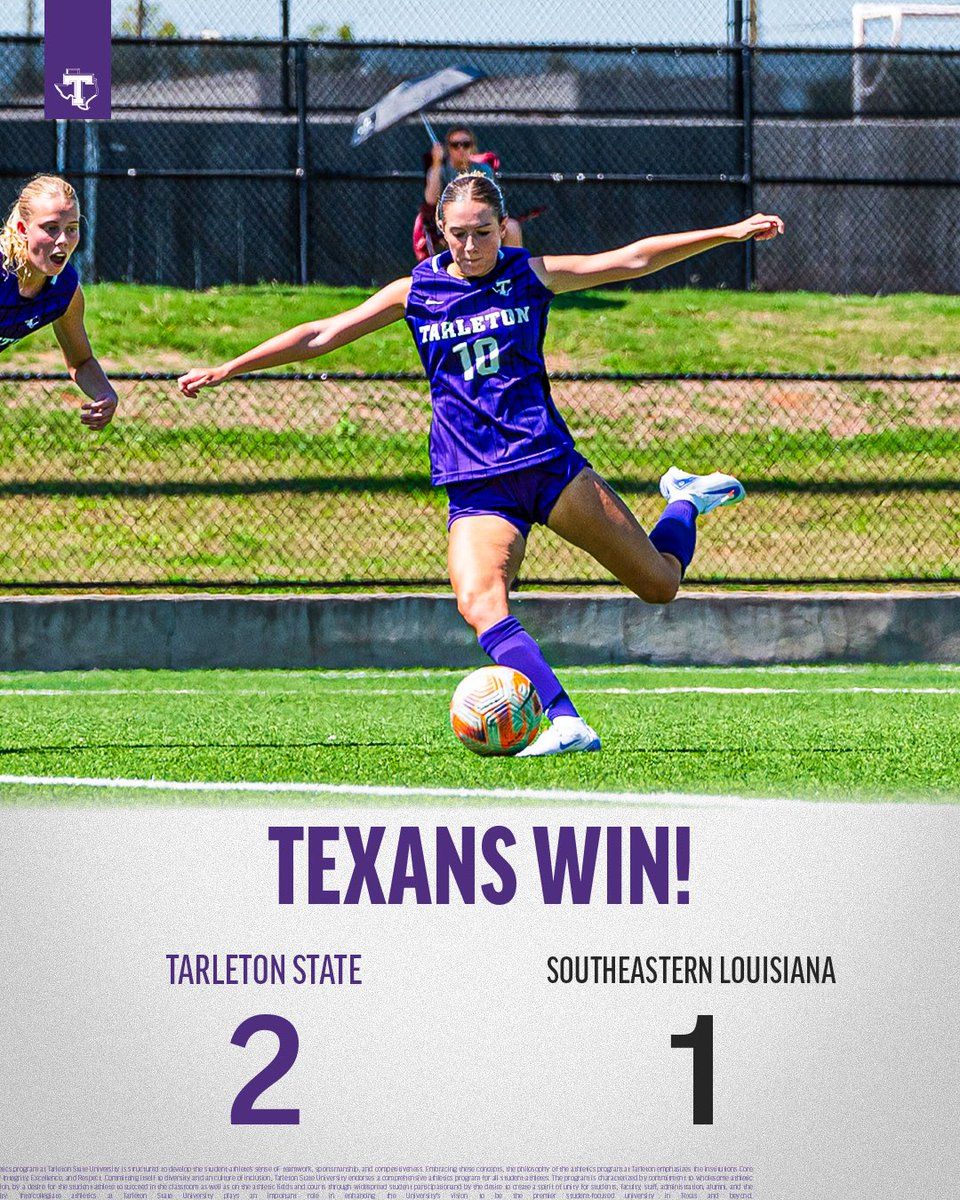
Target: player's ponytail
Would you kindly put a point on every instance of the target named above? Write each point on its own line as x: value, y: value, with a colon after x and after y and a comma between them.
x: 475, y: 185
x: 13, y: 245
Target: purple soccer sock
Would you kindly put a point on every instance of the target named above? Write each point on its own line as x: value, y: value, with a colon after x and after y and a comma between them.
x: 676, y: 531
x: 509, y: 645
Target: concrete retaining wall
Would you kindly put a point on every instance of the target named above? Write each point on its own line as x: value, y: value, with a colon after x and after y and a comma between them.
x: 87, y: 632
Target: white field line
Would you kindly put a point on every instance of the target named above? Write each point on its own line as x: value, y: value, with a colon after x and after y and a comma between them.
x: 95, y: 691
x: 398, y: 792
x: 706, y: 690
x: 770, y: 691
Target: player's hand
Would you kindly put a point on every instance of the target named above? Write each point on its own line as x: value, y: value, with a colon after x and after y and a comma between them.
x: 436, y: 154
x: 200, y: 377
x: 97, y: 414
x: 760, y: 227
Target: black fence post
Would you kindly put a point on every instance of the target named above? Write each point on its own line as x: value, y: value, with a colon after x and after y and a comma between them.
x: 746, y: 94
x: 285, y: 55
x: 300, y: 83
x: 734, y: 62
x: 739, y: 40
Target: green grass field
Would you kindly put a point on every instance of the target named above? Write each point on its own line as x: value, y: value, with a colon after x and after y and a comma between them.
x: 857, y: 733
x: 136, y: 328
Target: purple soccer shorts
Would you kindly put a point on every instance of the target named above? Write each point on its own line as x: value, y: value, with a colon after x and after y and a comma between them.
x: 524, y: 498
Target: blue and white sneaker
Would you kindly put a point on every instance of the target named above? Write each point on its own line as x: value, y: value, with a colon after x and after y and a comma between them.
x: 707, y: 492
x: 566, y: 735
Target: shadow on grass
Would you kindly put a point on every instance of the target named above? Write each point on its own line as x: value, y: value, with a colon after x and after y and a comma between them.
x: 419, y: 484
x: 592, y: 301
x: 742, y: 752
x: 411, y: 484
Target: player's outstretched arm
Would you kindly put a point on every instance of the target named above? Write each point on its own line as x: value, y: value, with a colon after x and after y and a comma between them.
x: 572, y: 272
x: 97, y: 412
x: 309, y: 340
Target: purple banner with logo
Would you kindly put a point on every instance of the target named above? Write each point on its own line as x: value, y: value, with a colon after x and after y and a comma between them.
x: 76, y: 69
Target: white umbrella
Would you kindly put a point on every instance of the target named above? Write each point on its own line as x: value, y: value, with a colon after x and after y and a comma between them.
x: 411, y: 97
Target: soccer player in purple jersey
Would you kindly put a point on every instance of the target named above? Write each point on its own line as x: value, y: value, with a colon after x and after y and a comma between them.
x: 39, y: 286
x: 478, y: 315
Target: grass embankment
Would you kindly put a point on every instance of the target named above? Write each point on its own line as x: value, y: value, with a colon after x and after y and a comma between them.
x: 329, y: 481
x: 136, y: 328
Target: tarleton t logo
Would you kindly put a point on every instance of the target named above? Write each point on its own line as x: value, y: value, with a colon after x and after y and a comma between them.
x: 76, y: 59
x: 503, y: 287
x: 79, y: 88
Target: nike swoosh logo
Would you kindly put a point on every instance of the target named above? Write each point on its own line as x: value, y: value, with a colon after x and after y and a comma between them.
x: 576, y: 743
x: 566, y: 743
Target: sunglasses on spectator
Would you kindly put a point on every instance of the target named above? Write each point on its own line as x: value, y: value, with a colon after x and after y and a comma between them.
x: 460, y: 144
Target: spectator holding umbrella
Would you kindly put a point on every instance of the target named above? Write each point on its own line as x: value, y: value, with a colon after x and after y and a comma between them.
x: 444, y: 163
x: 459, y: 157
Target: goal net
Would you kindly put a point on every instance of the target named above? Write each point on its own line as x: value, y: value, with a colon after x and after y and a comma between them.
x: 893, y: 26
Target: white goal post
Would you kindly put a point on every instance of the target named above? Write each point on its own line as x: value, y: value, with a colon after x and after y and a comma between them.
x: 862, y: 15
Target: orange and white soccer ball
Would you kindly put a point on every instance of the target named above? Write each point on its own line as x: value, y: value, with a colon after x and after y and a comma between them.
x: 496, y: 710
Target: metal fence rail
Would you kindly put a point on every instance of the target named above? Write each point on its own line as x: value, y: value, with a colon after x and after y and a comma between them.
x: 322, y: 480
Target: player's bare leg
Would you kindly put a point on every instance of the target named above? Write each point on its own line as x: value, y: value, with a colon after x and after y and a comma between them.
x: 591, y: 515
x: 484, y: 554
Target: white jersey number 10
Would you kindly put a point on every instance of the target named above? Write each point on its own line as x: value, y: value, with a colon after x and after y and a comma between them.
x: 485, y: 360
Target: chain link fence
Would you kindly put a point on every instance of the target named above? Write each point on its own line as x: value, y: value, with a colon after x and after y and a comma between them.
x: 323, y: 481
x: 761, y: 22
x: 228, y: 159
x: 851, y: 148
x: 416, y: 20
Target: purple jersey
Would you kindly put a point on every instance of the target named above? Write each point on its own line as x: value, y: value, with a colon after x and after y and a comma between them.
x: 19, y: 316
x: 481, y: 344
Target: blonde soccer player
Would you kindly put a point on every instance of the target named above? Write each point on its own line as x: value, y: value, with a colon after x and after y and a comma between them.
x: 39, y: 286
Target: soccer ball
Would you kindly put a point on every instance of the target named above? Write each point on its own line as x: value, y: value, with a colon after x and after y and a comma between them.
x: 496, y: 710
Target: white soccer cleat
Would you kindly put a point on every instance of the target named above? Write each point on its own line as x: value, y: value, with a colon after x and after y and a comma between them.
x: 707, y: 492
x: 566, y: 735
